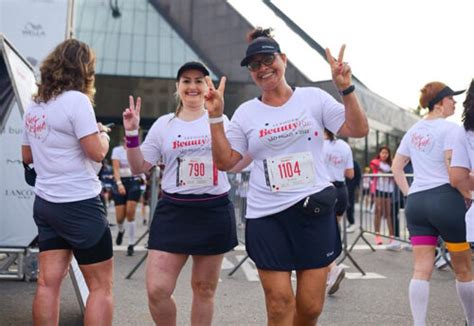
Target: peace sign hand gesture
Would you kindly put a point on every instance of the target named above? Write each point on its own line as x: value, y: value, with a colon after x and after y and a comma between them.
x: 214, y: 98
x: 131, y: 115
x: 341, y: 72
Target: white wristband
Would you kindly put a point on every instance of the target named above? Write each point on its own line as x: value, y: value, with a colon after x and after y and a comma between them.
x: 131, y: 132
x: 216, y: 120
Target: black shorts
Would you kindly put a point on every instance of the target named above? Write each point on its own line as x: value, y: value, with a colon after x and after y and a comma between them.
x: 291, y: 240
x: 132, y: 188
x: 80, y: 226
x: 99, y: 252
x: 436, y: 212
x: 193, y: 224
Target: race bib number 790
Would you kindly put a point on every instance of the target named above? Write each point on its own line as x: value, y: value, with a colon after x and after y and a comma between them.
x: 196, y: 172
x: 290, y: 171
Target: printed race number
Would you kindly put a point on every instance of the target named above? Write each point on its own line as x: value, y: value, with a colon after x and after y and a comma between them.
x: 291, y: 171
x: 196, y: 172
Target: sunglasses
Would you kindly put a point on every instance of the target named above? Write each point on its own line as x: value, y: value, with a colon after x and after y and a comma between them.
x: 267, y: 60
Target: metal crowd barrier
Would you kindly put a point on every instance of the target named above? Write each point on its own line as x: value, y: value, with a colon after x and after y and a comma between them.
x: 378, y: 199
x: 381, y: 209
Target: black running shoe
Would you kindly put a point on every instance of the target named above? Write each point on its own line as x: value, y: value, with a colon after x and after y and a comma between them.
x: 130, y: 250
x: 119, y: 239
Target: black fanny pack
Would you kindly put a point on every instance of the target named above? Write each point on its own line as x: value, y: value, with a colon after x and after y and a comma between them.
x: 319, y: 204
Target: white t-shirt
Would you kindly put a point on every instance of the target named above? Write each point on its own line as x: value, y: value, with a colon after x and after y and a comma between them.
x: 463, y: 156
x: 120, y: 154
x: 185, y: 149
x: 53, y: 131
x: 425, y: 144
x: 277, y: 138
x: 338, y: 158
x: 384, y: 184
x: 463, y: 149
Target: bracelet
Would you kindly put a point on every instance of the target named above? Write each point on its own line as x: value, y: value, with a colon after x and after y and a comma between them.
x: 118, y: 183
x: 347, y: 91
x: 103, y: 132
x: 131, y: 132
x: 216, y: 120
x: 132, y: 141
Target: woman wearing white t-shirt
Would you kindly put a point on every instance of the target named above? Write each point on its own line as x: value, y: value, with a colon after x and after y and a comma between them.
x: 434, y: 208
x: 126, y: 193
x: 282, y: 131
x: 194, y: 216
x: 382, y: 163
x: 64, y: 142
x: 340, y: 165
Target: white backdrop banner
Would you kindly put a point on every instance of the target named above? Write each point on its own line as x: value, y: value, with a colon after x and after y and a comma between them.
x: 35, y: 27
x: 17, y: 228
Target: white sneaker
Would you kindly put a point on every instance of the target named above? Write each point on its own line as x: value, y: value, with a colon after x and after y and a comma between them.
x: 351, y: 228
x: 442, y: 263
x: 394, y: 246
x: 335, y: 277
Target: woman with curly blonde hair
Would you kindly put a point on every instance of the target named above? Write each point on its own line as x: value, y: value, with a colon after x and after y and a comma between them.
x: 66, y: 144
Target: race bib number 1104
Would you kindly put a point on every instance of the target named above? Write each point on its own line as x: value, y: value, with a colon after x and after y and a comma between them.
x: 291, y: 171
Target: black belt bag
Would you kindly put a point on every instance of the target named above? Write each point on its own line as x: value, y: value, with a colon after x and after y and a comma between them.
x: 319, y: 204
x: 339, y: 184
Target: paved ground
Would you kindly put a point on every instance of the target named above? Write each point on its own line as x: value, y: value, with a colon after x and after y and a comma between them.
x: 380, y: 298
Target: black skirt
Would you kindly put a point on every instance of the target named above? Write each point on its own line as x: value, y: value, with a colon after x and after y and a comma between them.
x: 291, y: 240
x: 193, y: 224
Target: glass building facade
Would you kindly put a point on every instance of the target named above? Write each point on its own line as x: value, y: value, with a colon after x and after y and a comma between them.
x: 141, y: 44
x: 138, y: 43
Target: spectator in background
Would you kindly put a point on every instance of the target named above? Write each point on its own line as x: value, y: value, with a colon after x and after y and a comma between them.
x: 339, y: 164
x: 145, y: 197
x: 368, y: 190
x: 384, y: 191
x: 352, y: 185
x: 106, y: 178
x: 126, y: 193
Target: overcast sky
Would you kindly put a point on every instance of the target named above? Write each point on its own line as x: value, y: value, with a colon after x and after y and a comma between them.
x: 394, y: 47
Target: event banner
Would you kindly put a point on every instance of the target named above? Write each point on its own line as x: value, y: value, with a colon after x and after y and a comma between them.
x: 17, y: 82
x: 35, y: 27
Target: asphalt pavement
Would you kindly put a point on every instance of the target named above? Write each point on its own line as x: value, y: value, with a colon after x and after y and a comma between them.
x: 378, y: 298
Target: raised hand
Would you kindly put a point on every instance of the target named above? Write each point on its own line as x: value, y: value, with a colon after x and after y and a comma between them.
x: 340, y: 70
x: 214, y: 99
x: 131, y: 115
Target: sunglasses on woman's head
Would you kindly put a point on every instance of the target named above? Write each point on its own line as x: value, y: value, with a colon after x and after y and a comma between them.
x: 266, y: 59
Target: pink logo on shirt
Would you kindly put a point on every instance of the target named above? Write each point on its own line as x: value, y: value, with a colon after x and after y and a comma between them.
x: 191, y: 142
x: 422, y: 140
x: 36, y: 125
x: 282, y: 128
x: 334, y: 159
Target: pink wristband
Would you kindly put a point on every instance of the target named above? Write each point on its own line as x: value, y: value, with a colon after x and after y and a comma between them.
x: 132, y: 141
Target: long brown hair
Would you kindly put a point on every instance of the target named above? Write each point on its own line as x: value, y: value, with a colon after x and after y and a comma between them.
x: 69, y: 67
x: 389, y: 158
